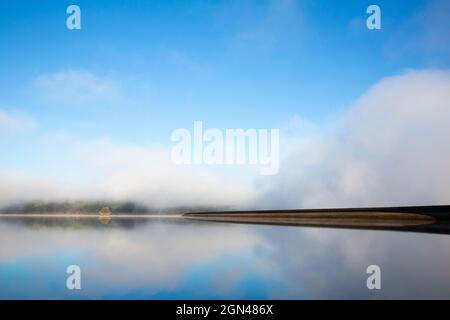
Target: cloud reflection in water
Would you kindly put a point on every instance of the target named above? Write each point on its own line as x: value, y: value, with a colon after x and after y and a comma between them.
x: 173, y: 258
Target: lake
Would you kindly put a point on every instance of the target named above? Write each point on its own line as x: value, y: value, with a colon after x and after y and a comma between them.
x: 176, y: 258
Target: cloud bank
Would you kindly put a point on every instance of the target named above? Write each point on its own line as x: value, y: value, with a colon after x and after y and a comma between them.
x: 389, y: 148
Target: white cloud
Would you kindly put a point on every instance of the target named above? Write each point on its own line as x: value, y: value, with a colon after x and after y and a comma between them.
x: 19, y: 186
x: 75, y: 87
x: 390, y: 148
x: 15, y: 122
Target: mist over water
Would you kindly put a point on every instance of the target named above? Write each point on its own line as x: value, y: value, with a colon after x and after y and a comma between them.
x: 157, y: 258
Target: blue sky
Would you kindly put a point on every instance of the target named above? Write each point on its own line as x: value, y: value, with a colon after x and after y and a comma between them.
x: 231, y: 63
x: 137, y: 70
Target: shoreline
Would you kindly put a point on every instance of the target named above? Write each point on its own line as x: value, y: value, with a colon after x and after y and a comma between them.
x: 86, y: 215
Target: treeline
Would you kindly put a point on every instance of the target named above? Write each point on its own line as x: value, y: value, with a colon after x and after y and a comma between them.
x: 93, y: 207
x: 74, y: 207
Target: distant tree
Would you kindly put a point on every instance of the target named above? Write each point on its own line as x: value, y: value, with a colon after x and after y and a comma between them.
x: 104, y: 211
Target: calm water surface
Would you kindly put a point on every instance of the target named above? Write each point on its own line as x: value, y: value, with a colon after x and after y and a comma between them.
x: 174, y: 258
